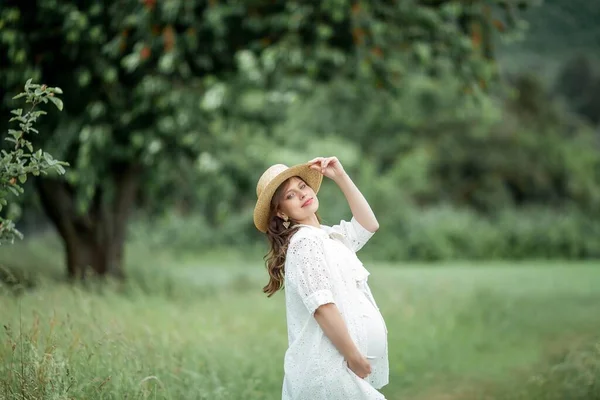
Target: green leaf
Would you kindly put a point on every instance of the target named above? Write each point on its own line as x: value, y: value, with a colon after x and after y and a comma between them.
x: 20, y: 119
x: 14, y: 190
x: 57, y: 102
x: 60, y: 169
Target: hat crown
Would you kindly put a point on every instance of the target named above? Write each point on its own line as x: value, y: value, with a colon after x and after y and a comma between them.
x: 268, y: 176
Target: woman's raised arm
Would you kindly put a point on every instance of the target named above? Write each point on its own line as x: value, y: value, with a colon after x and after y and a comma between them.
x: 332, y: 168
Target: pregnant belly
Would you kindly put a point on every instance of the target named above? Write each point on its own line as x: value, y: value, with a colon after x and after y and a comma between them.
x: 374, y: 329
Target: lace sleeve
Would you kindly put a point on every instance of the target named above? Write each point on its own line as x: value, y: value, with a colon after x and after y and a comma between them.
x: 354, y: 234
x: 307, y: 272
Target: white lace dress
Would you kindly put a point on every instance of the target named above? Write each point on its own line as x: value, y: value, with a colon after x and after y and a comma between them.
x: 321, y: 267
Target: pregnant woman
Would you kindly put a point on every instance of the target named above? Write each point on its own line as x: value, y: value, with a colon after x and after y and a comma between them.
x: 337, y: 336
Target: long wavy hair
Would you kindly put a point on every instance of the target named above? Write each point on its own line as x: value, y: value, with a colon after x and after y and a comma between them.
x: 279, y: 238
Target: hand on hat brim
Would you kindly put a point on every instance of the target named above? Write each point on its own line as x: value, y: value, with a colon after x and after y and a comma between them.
x: 330, y: 167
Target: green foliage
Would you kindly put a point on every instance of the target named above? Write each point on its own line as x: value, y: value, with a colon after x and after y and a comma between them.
x: 578, y: 82
x: 145, y: 79
x: 447, y: 233
x: 449, y: 176
x: 21, y: 159
x: 559, y: 27
x: 440, y: 146
x: 205, y: 95
x: 193, y: 233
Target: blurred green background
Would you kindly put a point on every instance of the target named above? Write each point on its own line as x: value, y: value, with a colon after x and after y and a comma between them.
x: 472, y: 128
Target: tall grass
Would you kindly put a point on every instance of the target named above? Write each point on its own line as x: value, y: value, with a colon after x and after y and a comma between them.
x: 188, y: 328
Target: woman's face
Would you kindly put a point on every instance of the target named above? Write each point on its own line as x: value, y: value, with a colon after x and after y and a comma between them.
x: 298, y: 201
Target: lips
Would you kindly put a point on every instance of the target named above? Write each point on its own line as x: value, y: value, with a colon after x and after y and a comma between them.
x: 307, y: 202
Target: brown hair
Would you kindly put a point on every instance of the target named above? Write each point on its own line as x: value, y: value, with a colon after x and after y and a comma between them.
x: 279, y: 238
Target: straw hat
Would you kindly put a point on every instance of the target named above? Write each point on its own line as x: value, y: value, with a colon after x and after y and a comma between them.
x: 270, y: 180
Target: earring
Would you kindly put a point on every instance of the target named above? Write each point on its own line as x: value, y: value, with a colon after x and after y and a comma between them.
x: 286, y: 223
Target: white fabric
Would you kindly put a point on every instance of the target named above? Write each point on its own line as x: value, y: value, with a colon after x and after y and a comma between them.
x: 375, y: 330
x: 321, y: 267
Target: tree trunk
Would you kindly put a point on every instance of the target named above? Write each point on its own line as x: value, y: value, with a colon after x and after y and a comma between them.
x: 93, y: 241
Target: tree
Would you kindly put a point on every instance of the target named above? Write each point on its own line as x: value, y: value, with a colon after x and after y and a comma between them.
x: 21, y: 160
x: 143, y: 78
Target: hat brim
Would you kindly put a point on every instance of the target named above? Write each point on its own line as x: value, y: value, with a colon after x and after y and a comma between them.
x: 313, y: 178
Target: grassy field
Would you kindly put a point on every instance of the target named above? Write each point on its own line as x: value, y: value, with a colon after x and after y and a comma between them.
x: 185, y: 327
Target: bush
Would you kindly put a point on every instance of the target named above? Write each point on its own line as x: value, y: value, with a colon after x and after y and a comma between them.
x: 193, y: 232
x: 449, y: 233
x: 21, y: 161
